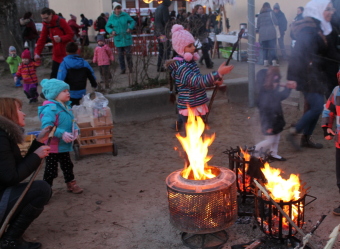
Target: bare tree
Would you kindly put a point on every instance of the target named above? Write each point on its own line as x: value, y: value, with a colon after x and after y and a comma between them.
x: 10, y: 33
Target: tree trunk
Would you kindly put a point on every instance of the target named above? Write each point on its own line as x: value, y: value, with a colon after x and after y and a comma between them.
x: 10, y: 33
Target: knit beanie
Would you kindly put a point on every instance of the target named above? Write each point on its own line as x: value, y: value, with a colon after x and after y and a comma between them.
x: 102, y: 32
x: 26, y: 54
x: 52, y: 87
x: 276, y: 6
x: 73, y: 17
x: 100, y: 38
x: 180, y: 39
x: 11, y: 48
x: 115, y: 5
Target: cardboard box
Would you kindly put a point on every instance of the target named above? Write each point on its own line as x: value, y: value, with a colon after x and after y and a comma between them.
x: 102, y: 117
x: 101, y: 133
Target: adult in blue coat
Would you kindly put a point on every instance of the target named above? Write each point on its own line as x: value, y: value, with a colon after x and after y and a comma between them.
x: 120, y: 25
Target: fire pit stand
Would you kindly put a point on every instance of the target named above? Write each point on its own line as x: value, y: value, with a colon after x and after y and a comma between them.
x: 205, y: 241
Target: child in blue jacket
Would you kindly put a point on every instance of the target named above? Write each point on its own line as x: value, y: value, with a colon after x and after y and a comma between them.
x: 75, y: 71
x: 56, y: 111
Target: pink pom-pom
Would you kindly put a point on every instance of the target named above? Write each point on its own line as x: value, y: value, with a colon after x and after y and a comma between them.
x: 176, y: 27
x: 188, y: 56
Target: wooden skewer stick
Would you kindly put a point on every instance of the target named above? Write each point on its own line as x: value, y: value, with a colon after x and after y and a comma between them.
x: 16, y: 205
x: 332, y: 237
x: 264, y: 191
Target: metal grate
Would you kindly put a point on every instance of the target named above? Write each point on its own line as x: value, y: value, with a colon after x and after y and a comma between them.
x: 212, y: 209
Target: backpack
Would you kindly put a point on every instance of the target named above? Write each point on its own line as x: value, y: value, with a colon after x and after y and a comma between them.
x: 90, y: 22
x: 57, y: 25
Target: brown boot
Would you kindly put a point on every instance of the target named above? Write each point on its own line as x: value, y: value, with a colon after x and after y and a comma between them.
x: 73, y: 187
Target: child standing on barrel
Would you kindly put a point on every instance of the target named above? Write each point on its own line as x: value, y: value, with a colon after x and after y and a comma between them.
x: 271, y: 114
x: 56, y: 111
x: 189, y: 81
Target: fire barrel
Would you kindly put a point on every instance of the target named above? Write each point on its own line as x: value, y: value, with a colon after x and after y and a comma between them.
x: 202, y: 206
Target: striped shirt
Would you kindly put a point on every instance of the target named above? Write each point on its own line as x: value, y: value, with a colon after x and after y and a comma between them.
x: 29, y: 72
x: 191, y: 83
x: 331, y: 111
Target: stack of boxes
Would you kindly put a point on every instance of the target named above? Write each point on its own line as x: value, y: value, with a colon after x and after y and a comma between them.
x: 87, y: 117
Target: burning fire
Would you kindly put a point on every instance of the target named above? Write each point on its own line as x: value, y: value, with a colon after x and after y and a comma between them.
x: 285, y: 190
x: 244, y: 180
x: 196, y: 148
x: 281, y: 189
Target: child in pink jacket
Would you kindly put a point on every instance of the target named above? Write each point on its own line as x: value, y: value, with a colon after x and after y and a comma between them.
x: 103, y: 56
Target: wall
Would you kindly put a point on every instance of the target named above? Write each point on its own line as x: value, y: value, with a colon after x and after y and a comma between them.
x: 90, y: 8
x: 238, y: 13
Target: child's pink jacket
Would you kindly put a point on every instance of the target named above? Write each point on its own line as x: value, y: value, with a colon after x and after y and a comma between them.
x: 103, y: 55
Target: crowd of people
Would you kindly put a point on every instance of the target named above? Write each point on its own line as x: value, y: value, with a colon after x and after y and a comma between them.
x: 313, y: 70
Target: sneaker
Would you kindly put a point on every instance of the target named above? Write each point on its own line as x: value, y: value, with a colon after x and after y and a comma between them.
x: 336, y: 211
x: 73, y: 187
x: 277, y: 158
x: 308, y: 142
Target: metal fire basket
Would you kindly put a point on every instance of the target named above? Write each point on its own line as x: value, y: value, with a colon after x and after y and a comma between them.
x: 202, y: 206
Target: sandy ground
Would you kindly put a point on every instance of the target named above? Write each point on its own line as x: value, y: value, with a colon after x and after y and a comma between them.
x: 124, y: 204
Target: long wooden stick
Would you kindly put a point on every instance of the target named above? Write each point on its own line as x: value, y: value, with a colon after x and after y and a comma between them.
x: 332, y: 237
x: 264, y: 191
x: 227, y: 63
x: 16, y: 205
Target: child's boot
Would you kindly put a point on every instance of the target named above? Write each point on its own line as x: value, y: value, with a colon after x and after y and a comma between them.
x: 265, y: 63
x: 73, y: 187
x: 275, y: 64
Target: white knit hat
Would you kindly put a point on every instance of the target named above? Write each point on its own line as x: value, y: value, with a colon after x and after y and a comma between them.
x: 115, y: 4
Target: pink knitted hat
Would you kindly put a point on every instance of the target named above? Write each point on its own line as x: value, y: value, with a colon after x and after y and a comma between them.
x: 180, y: 39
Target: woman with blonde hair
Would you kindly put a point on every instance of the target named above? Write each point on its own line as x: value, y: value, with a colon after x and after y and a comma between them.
x: 14, y: 169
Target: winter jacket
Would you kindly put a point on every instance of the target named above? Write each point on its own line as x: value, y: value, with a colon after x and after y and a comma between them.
x: 101, y: 22
x: 191, y: 83
x: 13, y: 63
x: 28, y: 72
x: 54, y: 113
x: 103, y: 55
x: 271, y: 114
x: 13, y: 167
x: 120, y: 24
x: 198, y: 26
x: 57, y: 26
x: 306, y: 65
x: 162, y: 17
x: 86, y: 24
x: 282, y: 21
x: 74, y: 26
x: 331, y: 112
x: 30, y: 31
x: 75, y: 71
x: 266, y: 27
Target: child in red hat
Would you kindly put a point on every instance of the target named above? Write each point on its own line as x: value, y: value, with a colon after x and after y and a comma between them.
x: 28, y: 71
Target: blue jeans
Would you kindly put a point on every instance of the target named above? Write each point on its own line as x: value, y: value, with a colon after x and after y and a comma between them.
x: 269, y: 49
x: 127, y: 51
x: 308, y: 121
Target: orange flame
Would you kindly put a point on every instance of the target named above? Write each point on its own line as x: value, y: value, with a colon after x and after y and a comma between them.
x: 247, y: 178
x: 283, y: 189
x: 196, y: 148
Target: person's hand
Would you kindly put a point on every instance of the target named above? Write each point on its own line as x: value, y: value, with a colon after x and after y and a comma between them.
x: 113, y: 33
x: 128, y: 30
x: 43, y: 151
x: 291, y: 84
x: 223, y: 69
x: 37, y: 57
x: 43, y: 135
x: 270, y: 131
x: 218, y: 82
x: 67, y: 137
x: 57, y: 39
x: 330, y: 131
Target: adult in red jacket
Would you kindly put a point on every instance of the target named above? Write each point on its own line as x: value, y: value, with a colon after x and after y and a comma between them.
x: 59, y: 32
